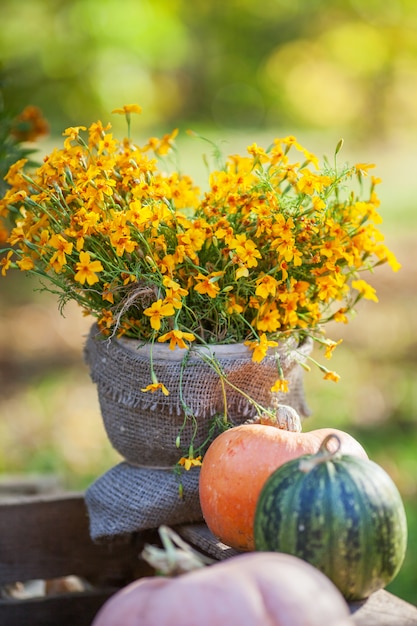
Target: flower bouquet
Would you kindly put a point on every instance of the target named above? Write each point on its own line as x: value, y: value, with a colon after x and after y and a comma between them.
x: 269, y: 252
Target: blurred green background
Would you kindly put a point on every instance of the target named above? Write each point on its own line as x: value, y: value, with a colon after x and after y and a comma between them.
x: 240, y: 72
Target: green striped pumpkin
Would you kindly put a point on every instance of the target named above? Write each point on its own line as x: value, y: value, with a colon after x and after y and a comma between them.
x: 342, y: 514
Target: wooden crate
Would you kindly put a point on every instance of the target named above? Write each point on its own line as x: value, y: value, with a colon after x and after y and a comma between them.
x: 46, y: 536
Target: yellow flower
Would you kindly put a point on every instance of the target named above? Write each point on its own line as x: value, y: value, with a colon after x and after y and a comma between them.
x: 6, y: 263
x: 208, y: 284
x: 107, y: 294
x: 166, y: 143
x: 106, y: 321
x: 260, y: 348
x: 62, y: 247
x: 177, y: 338
x: 389, y: 257
x: 96, y: 132
x: 233, y: 305
x: 363, y: 168
x: 280, y: 385
x: 340, y: 316
x: 318, y: 203
x: 365, y: 290
x: 189, y: 462
x: 174, y: 286
x: 128, y: 108
x: 330, y: 346
x: 87, y: 270
x: 72, y: 134
x: 266, y: 286
x: 242, y: 272
x: 310, y: 183
x: 172, y: 297
x: 268, y: 318
x: 157, y: 311
x: 331, y: 376
x: 26, y: 264
x: 152, y: 387
x: 248, y: 253
x: 257, y: 152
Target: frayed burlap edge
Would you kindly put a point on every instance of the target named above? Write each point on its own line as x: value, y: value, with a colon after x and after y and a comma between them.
x: 121, y: 369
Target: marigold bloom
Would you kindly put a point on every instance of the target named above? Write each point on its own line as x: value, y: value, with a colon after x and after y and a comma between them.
x: 25, y: 264
x: 6, y: 263
x: 242, y: 272
x: 260, y: 348
x: 208, y: 284
x: 189, y: 462
x: 365, y: 289
x: 330, y: 346
x: 233, y: 305
x: 106, y: 321
x: 87, y: 269
x: 72, y: 134
x: 152, y: 387
x: 157, y: 311
x: 280, y: 385
x: 128, y: 108
x: 331, y: 376
x: 268, y: 318
x: 166, y: 143
x: 266, y: 286
x: 311, y: 183
x: 62, y: 247
x: 248, y: 253
x: 340, y: 316
x: 363, y: 168
x: 177, y: 338
x: 174, y: 286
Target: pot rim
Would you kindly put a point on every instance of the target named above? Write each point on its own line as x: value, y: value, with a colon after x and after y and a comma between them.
x: 162, y: 351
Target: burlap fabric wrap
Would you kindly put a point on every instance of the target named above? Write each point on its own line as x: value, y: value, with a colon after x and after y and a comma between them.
x: 142, y: 491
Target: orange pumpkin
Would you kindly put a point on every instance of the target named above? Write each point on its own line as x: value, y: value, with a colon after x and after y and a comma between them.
x: 236, y: 466
x: 248, y: 590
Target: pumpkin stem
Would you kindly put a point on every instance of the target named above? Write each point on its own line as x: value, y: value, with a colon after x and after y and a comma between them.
x: 325, y: 453
x: 285, y: 417
x: 175, y: 557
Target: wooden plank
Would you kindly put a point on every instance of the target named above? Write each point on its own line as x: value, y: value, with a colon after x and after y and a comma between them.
x: 77, y: 609
x: 381, y: 609
x: 28, y: 484
x: 201, y: 538
x: 48, y: 537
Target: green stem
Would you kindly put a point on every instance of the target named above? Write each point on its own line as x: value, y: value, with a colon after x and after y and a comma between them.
x: 323, y: 455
